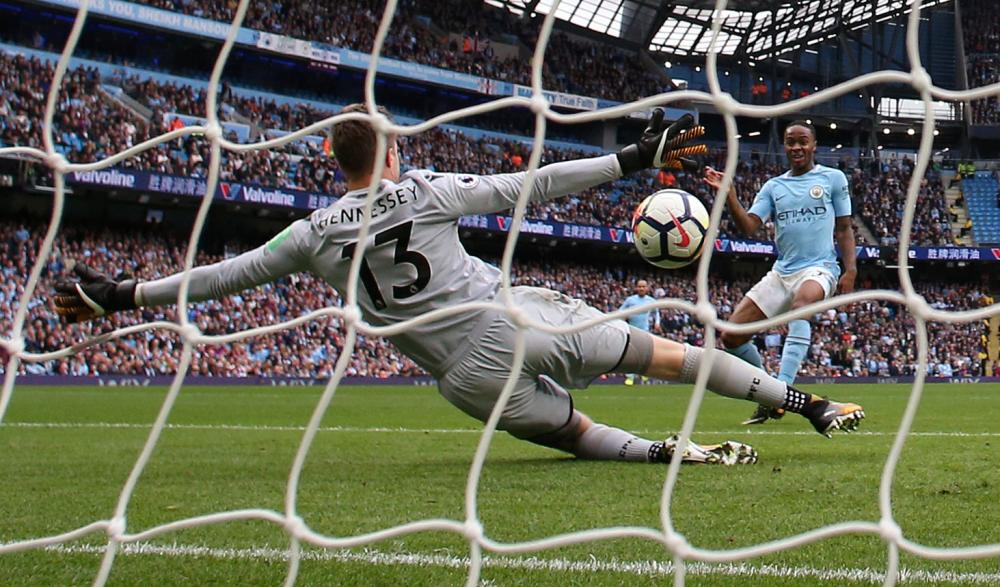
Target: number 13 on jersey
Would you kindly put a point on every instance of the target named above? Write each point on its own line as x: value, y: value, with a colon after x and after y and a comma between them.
x: 400, y: 234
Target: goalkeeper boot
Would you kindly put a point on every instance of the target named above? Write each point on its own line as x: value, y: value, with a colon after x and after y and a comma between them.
x: 729, y: 452
x: 763, y: 414
x: 828, y: 415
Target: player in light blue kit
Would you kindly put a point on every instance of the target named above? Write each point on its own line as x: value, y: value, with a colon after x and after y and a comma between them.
x: 810, y: 205
x: 641, y: 297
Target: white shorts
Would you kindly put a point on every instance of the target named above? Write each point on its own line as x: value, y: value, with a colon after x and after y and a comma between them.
x: 540, y: 403
x: 774, y: 293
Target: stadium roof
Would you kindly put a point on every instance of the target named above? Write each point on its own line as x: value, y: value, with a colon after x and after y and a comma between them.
x: 754, y: 29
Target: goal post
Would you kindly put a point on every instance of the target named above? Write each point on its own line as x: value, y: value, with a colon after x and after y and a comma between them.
x: 682, y: 549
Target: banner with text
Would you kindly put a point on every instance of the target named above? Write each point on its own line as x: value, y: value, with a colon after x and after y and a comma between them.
x: 165, y: 19
x: 571, y: 101
x: 158, y: 183
x: 278, y: 381
x: 299, y: 48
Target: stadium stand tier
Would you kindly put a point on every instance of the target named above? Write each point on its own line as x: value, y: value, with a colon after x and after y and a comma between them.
x: 982, y: 196
x: 981, y: 29
x: 452, y: 34
x: 94, y: 125
x: 873, y: 338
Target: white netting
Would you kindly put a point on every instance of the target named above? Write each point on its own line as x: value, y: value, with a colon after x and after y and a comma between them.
x: 470, y: 528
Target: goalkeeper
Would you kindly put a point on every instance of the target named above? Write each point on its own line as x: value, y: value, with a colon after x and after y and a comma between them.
x: 414, y: 263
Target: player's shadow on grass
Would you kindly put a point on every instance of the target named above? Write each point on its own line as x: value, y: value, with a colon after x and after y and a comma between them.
x: 559, y: 460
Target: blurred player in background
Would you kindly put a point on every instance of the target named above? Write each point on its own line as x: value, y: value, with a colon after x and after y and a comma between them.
x: 810, y: 205
x: 641, y: 320
x: 414, y: 263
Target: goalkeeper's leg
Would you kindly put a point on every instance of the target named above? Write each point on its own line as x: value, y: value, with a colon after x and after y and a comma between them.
x: 734, y: 378
x: 586, y: 439
x: 540, y: 409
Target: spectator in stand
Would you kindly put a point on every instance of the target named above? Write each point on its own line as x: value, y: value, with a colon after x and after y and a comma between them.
x: 844, y: 345
x: 666, y: 178
x: 307, y: 165
x: 571, y: 65
x: 981, y: 29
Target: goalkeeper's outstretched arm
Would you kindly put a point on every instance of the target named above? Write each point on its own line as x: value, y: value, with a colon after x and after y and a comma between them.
x: 96, y: 294
x: 467, y: 194
x: 278, y: 257
x: 659, y: 146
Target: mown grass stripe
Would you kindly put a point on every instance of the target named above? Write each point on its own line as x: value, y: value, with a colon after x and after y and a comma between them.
x: 637, y: 568
x: 378, y: 429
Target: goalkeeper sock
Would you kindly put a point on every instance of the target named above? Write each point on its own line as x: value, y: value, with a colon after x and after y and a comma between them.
x: 604, y: 443
x: 734, y: 378
x: 749, y: 353
x: 795, y: 350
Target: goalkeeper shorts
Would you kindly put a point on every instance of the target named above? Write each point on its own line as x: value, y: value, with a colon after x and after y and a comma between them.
x: 540, y: 403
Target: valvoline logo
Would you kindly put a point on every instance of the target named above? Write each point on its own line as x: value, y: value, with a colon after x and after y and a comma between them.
x: 721, y: 245
x: 230, y: 191
x: 996, y: 253
x: 504, y: 223
x: 616, y: 234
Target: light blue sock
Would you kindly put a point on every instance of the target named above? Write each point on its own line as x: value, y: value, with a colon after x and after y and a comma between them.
x: 748, y: 352
x: 796, y: 348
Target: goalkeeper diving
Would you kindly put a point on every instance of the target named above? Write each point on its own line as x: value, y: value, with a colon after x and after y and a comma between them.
x: 414, y: 263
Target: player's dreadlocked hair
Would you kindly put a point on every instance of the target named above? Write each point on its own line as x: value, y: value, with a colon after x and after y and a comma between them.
x: 354, y: 143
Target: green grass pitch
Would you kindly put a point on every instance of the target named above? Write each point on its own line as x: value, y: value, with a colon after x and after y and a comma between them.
x: 389, y: 455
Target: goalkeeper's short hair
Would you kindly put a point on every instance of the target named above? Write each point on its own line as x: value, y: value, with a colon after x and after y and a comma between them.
x: 354, y: 142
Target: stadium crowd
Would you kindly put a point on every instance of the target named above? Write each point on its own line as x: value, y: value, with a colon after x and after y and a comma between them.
x: 881, y: 201
x: 872, y: 338
x: 981, y: 30
x: 90, y: 126
x: 84, y: 123
x: 472, y: 33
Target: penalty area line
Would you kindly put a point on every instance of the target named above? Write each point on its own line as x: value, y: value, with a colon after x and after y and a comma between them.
x: 387, y: 429
x: 635, y: 568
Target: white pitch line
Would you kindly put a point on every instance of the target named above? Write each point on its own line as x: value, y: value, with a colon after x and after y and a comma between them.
x: 377, y: 429
x: 637, y: 568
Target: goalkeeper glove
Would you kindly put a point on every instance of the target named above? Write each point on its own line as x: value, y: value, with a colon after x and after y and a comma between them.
x: 663, y: 147
x: 94, y: 295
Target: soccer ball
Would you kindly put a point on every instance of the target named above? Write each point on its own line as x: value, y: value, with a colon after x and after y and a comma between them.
x: 669, y: 228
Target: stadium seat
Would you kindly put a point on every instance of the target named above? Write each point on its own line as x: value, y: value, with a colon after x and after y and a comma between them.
x: 981, y: 195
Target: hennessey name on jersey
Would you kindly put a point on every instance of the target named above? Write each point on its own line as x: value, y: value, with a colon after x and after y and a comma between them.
x: 383, y: 204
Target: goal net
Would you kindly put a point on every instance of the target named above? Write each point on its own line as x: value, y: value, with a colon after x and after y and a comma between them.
x: 682, y: 551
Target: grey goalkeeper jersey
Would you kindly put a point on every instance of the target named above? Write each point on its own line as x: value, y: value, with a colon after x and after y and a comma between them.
x: 413, y: 260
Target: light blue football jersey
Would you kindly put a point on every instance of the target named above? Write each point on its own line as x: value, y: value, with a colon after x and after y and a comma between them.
x: 641, y: 320
x: 804, y: 209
